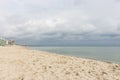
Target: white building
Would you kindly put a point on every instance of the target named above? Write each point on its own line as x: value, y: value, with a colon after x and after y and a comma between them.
x: 4, y: 42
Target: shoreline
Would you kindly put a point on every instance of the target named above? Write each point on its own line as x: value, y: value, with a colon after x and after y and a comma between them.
x: 78, y: 56
x: 23, y: 63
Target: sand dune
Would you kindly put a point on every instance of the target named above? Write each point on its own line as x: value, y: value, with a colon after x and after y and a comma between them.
x: 20, y: 63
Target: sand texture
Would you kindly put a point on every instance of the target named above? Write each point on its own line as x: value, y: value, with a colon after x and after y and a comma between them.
x: 20, y: 63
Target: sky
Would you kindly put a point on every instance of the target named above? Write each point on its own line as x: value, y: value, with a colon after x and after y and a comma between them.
x: 61, y: 22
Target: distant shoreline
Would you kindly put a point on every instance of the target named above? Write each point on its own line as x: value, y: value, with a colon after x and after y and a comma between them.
x: 107, y: 54
x: 70, y: 45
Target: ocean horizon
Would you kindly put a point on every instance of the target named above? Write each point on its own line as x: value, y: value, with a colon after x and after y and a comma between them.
x: 102, y: 53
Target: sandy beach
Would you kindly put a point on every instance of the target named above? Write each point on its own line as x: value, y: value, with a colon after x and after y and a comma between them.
x: 21, y: 63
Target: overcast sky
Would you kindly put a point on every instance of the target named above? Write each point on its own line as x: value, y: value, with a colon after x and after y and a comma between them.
x: 61, y: 21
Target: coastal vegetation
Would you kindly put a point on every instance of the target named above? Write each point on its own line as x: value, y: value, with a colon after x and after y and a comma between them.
x: 2, y: 42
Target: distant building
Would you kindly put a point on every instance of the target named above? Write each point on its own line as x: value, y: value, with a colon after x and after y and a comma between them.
x: 10, y: 42
x: 4, y: 42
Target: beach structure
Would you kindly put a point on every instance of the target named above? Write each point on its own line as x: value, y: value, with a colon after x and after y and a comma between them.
x: 4, y: 42
x: 10, y: 42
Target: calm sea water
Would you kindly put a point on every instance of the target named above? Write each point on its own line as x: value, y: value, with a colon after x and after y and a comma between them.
x: 109, y: 54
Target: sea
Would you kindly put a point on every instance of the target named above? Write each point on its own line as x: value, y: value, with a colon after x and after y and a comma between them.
x: 102, y: 53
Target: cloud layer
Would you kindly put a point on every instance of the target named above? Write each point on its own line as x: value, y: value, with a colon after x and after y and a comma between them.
x: 40, y: 20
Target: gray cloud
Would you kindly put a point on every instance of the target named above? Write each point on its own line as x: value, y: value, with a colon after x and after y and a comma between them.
x: 60, y: 20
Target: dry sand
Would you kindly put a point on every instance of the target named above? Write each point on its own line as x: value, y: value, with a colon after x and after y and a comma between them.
x: 20, y: 63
